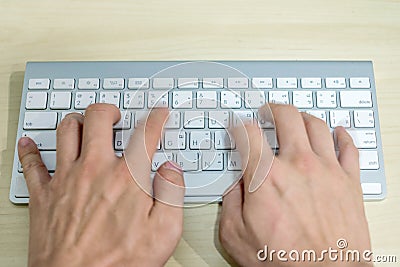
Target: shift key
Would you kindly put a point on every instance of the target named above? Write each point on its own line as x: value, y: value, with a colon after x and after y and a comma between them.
x: 48, y: 158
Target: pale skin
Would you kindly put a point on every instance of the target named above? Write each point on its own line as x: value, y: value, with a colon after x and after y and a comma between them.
x: 93, y: 213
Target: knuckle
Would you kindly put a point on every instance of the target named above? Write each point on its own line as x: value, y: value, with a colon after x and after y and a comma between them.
x: 305, y: 161
x: 313, y: 121
x: 31, y: 161
x: 88, y: 166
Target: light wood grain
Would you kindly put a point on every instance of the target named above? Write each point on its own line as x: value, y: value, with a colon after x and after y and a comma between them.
x: 45, y: 30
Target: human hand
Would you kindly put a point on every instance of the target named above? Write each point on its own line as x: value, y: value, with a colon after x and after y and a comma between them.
x: 92, y: 212
x: 309, y: 199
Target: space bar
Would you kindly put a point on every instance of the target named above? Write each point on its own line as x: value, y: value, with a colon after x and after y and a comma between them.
x: 209, y: 183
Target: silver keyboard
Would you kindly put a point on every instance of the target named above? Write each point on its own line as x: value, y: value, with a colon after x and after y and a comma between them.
x: 204, y: 98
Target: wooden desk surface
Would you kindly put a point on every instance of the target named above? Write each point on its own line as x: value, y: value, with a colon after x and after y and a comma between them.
x: 46, y: 30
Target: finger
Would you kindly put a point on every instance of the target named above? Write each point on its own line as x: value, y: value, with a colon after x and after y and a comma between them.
x: 255, y: 153
x: 97, y: 134
x: 320, y: 137
x: 290, y: 129
x: 232, y: 205
x: 69, y: 136
x: 142, y: 146
x: 348, y: 153
x: 169, y: 191
x: 35, y: 172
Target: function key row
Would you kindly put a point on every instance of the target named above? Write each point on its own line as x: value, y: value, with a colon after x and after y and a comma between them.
x: 193, y: 83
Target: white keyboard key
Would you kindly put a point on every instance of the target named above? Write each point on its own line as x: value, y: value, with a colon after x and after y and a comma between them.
x: 188, y: 83
x: 326, y: 99
x: 125, y: 122
x: 222, y: 140
x: 218, y: 119
x: 363, y: 138
x: 157, y: 99
x: 262, y: 83
x: 360, y: 82
x: 45, y: 140
x: 21, y: 190
x: 335, y: 82
x: 231, y: 99
x: 36, y: 100
x: 320, y: 114
x: 200, y: 140
x: 368, y: 160
x: 213, y: 83
x: 206, y: 99
x: 84, y: 99
x: 303, y: 99
x: 174, y: 120
x: 163, y: 83
x: 371, y: 188
x: 60, y: 100
x: 339, y: 118
x: 39, y: 84
x: 67, y: 84
x: 254, y: 99
x: 141, y: 117
x: 355, y: 99
x: 311, y: 83
x: 37, y: 120
x: 49, y: 159
x: 113, y: 83
x: 281, y: 97
x: 160, y: 158
x: 182, y: 99
x: 364, y: 118
x: 234, y: 161
x: 288, y: 83
x: 134, y: 99
x: 194, y: 119
x: 241, y: 117
x: 212, y: 161
x: 110, y: 98
x: 138, y: 83
x: 174, y: 140
x: 238, y: 83
x: 88, y: 83
x: 189, y: 161
x: 121, y: 139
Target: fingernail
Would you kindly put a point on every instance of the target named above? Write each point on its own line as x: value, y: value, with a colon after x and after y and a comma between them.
x: 170, y: 165
x: 24, y: 141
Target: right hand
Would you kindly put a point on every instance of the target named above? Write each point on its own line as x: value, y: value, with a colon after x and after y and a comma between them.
x: 309, y: 199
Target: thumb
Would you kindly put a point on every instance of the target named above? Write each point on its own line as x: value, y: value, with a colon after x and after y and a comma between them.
x: 168, y: 186
x: 35, y: 172
x: 169, y: 191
